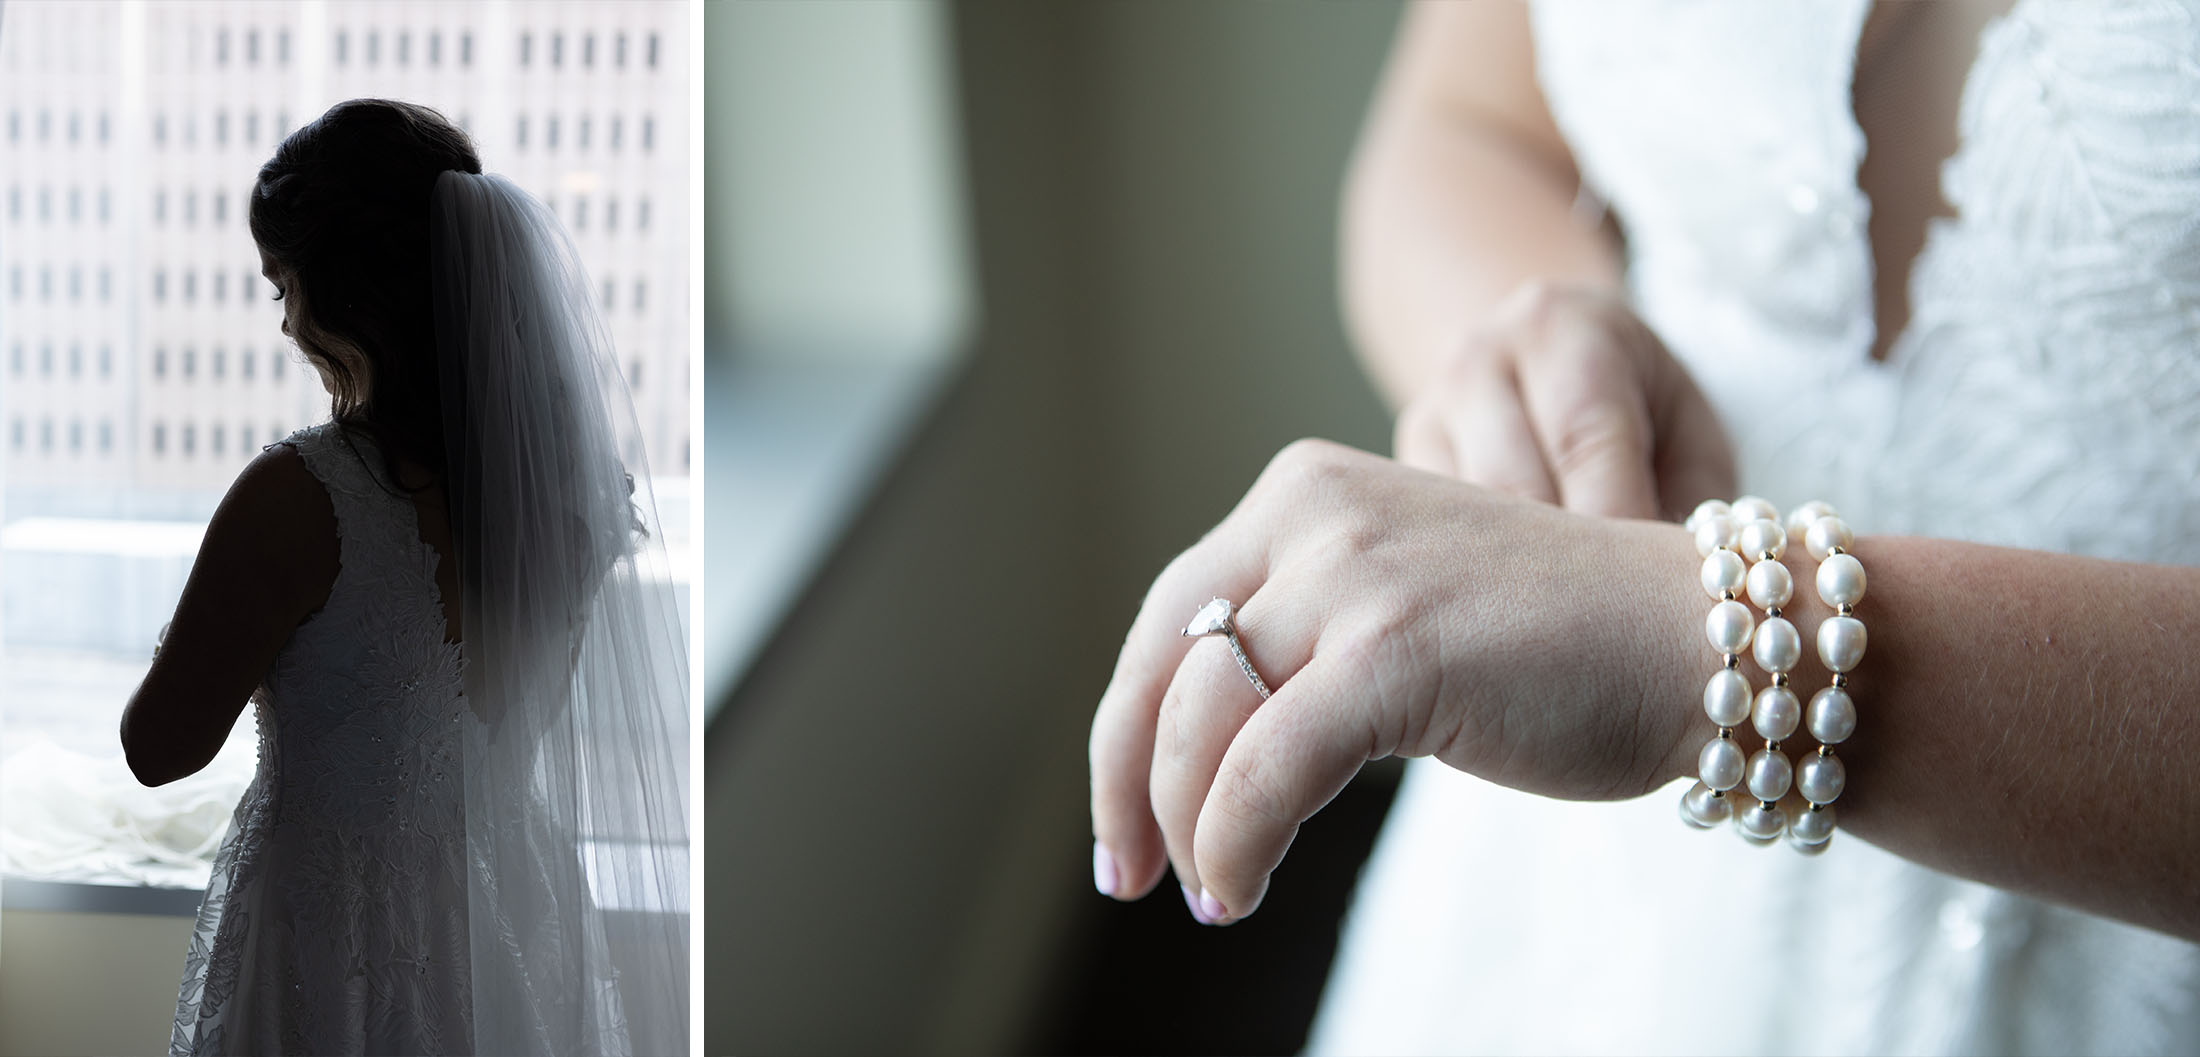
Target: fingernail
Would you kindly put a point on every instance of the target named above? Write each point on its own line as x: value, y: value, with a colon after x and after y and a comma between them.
x: 1191, y: 903
x: 1103, y: 869
x: 1212, y: 908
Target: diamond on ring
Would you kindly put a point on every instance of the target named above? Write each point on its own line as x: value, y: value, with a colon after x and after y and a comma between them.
x: 1218, y: 617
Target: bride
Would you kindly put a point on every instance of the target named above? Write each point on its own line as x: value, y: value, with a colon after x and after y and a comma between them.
x: 467, y: 832
x: 1961, y: 307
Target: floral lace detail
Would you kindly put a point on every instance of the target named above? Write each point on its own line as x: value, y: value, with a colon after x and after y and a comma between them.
x: 336, y: 918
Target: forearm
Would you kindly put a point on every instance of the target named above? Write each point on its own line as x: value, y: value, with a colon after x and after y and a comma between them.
x: 1444, y: 215
x: 2026, y: 719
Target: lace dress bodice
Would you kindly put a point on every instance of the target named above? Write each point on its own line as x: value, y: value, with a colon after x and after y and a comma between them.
x: 2045, y: 394
x: 335, y: 921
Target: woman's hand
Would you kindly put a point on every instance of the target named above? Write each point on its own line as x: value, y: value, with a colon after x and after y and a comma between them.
x: 1564, y: 396
x: 1395, y: 613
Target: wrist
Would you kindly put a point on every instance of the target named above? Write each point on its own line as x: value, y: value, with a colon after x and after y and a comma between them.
x: 1668, y: 657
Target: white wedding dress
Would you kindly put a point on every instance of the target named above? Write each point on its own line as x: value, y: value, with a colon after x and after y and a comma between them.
x: 2046, y: 394
x: 336, y: 919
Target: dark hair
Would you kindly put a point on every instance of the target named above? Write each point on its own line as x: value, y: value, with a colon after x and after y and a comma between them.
x: 341, y: 211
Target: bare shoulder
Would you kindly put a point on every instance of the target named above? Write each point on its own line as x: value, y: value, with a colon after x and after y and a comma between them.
x: 276, y: 519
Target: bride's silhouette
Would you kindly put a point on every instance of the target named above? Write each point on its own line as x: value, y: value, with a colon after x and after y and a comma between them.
x: 467, y: 833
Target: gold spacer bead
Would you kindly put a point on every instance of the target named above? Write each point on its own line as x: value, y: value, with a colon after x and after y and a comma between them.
x: 1733, y: 660
x: 1817, y: 807
x: 1836, y: 549
x: 1826, y: 751
x: 1841, y: 680
x: 1846, y: 609
x: 1772, y: 745
x: 1773, y: 611
x: 1779, y: 678
x: 1726, y: 733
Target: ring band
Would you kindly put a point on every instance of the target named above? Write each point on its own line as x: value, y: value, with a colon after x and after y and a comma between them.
x: 1218, y: 617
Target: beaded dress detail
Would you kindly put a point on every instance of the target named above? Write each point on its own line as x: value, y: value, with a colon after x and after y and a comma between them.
x: 336, y: 918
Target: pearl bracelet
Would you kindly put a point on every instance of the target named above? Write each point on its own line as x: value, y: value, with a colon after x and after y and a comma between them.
x: 1742, y: 544
x: 1841, y: 641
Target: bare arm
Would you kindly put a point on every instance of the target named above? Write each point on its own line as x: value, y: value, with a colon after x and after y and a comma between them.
x: 2027, y: 719
x: 267, y: 562
x: 1461, y: 190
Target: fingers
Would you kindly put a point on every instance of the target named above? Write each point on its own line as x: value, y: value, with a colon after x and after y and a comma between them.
x: 1695, y: 460
x: 1206, y: 704
x: 1587, y: 408
x: 1128, y: 853
x: 1287, y: 762
x: 1492, y: 441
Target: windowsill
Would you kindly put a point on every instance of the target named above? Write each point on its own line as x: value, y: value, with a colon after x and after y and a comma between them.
x: 794, y: 451
x: 85, y: 897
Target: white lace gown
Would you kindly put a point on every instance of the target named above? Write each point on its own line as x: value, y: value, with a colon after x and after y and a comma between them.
x: 2045, y: 394
x: 335, y: 922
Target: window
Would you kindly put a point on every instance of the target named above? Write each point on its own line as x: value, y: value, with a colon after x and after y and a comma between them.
x: 557, y: 50
x: 550, y: 132
x: 618, y: 51
x: 580, y: 213
x: 221, y: 47
x: 615, y: 129
x: 634, y: 374
x: 649, y: 133
x: 641, y: 287
x: 607, y: 296
x: 610, y: 214
x: 580, y: 133
x: 152, y: 399
x: 653, y: 51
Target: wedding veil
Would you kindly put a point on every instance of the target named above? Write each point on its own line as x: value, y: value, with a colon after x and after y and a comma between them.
x: 576, y: 665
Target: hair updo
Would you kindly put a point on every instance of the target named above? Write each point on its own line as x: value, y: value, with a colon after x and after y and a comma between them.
x: 342, y: 213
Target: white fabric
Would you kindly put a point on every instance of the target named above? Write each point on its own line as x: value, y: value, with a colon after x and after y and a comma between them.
x: 2045, y: 394
x: 335, y: 921
x: 476, y: 848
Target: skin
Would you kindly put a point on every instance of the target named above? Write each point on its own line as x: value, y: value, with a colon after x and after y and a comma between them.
x: 2025, y: 715
x: 265, y: 566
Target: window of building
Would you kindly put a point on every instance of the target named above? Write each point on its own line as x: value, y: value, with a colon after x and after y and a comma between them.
x: 641, y: 289
x: 214, y: 439
x: 15, y: 126
x: 15, y: 434
x: 76, y: 436
x: 218, y: 362
x: 160, y: 207
x: 15, y: 202
x: 160, y: 362
x: 557, y: 50
x: 244, y: 438
x: 190, y: 285
x: 75, y: 122
x: 653, y: 51
x: 251, y: 127
x: 618, y: 51
x: 45, y: 205
x: 374, y: 47
x: 187, y: 439
x: 404, y: 48
x: 580, y: 133
x: 45, y: 435
x: 519, y: 132
x: 160, y: 130
x: 245, y: 361
x: 252, y: 47
x: 160, y: 285
x: 160, y: 438
x: 15, y: 359
x: 221, y: 47
x: 106, y: 436
x: 190, y: 207
x: 649, y: 133
x: 339, y: 46
x: 106, y: 365
x: 435, y: 49
x: 105, y: 128
x: 466, y: 49
x: 221, y: 128
x: 76, y: 360
x: 588, y: 51
x: 45, y: 359
x: 607, y: 298
x: 106, y: 205
x: 106, y: 283
x: 610, y: 214
x: 76, y: 283
x: 282, y: 47
x: 634, y: 374
x: 275, y: 367
x: 550, y: 132
x: 190, y: 363
x: 617, y: 126
x: 221, y: 207
x: 580, y: 212
x: 526, y: 48
x: 76, y: 205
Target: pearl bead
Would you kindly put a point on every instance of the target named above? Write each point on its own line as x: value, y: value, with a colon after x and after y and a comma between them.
x: 1813, y: 827
x: 1825, y: 534
x: 1702, y: 810
x: 1832, y: 715
x: 1757, y: 537
x: 1841, y: 580
x: 1841, y: 643
x: 1713, y: 532
x: 1720, y: 764
x: 1762, y: 822
x: 1705, y: 509
x: 1728, y: 627
x: 1770, y: 585
x: 1750, y: 508
x: 1769, y: 774
x: 1803, y: 517
x: 1776, y: 712
x: 1805, y: 849
x: 1821, y: 778
x: 1723, y: 573
x: 1726, y: 698
x: 1777, y: 645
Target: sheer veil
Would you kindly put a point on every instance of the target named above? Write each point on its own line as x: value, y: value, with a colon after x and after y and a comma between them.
x: 576, y: 665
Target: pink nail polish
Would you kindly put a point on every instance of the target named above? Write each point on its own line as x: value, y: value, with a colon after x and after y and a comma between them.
x: 1191, y: 903
x: 1103, y: 869
x: 1212, y: 908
